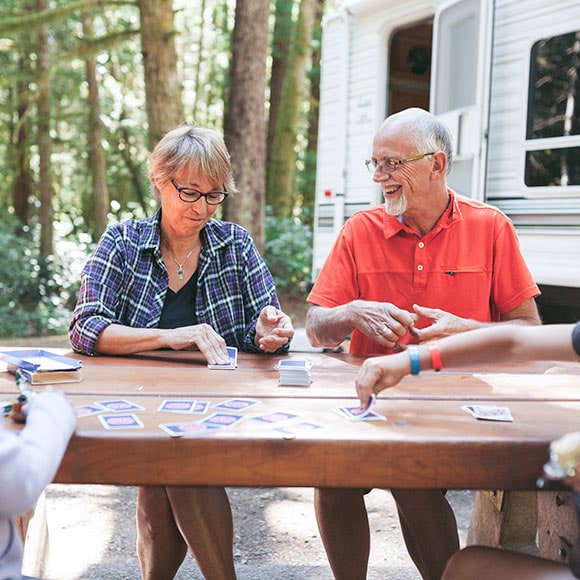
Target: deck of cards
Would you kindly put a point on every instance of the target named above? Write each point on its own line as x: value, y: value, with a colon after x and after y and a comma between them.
x: 488, y: 412
x: 295, y: 372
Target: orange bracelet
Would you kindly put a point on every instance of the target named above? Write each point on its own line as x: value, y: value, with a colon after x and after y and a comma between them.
x: 436, y: 362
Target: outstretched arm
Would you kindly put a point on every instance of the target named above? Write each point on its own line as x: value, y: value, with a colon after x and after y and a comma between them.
x: 493, y: 343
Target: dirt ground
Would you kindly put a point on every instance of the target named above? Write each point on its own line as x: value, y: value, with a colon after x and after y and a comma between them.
x: 92, y: 535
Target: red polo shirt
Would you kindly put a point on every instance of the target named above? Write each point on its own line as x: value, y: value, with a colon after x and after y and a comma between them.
x: 469, y: 264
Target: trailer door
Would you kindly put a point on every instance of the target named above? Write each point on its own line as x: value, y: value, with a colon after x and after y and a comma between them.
x: 460, y: 86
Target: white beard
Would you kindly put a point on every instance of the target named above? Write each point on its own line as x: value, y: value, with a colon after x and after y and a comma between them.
x: 396, y: 206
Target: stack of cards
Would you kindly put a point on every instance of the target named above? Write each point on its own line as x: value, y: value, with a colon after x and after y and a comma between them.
x: 488, y: 412
x: 295, y: 372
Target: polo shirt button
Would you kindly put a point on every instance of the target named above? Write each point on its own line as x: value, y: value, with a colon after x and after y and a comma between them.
x: 420, y: 268
x: 421, y: 244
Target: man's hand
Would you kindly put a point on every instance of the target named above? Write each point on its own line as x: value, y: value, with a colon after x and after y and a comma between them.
x: 444, y: 324
x: 383, y: 321
x: 273, y: 329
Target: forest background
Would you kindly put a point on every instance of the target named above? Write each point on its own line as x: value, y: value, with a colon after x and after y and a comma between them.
x: 87, y: 89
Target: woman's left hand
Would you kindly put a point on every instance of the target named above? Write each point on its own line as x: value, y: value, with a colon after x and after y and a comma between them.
x: 273, y: 329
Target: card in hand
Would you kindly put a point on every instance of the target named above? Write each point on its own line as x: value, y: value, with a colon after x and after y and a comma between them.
x: 233, y: 355
x: 489, y: 412
x: 236, y: 404
x: 177, y: 406
x: 222, y: 420
x: 119, y: 406
x: 128, y: 421
x: 358, y: 413
x: 192, y: 428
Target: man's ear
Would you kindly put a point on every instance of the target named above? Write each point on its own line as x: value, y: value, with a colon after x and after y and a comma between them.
x: 439, y: 165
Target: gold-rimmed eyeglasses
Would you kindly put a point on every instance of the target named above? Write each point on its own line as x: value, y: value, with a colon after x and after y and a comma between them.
x: 388, y: 165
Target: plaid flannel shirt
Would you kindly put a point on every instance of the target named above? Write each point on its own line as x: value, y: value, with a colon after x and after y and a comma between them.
x: 125, y: 282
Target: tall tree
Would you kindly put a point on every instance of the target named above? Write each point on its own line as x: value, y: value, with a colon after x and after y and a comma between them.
x: 24, y: 182
x: 281, y: 41
x: 308, y: 184
x: 44, y: 143
x: 281, y: 168
x: 245, y: 125
x: 99, y: 194
x: 162, y: 86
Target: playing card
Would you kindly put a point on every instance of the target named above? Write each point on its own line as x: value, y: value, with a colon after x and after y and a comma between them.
x: 489, y: 412
x: 297, y: 428
x: 191, y: 428
x: 233, y: 354
x: 358, y: 413
x: 128, y: 421
x: 222, y: 419
x: 119, y: 406
x: 177, y: 406
x: 274, y: 417
x: 237, y: 404
x: 200, y: 407
x: 86, y: 410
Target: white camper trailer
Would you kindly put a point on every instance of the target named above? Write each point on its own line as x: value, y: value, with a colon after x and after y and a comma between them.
x: 504, y: 75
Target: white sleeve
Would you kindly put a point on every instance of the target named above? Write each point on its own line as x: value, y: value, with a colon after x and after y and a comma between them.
x: 30, y: 458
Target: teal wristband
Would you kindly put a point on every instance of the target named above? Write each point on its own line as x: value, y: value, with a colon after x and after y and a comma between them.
x: 415, y: 360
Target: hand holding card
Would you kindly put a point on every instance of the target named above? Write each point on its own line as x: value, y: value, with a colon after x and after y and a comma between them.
x: 233, y: 364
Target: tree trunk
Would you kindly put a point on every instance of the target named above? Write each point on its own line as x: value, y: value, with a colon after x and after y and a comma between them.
x: 44, y: 145
x: 23, y: 185
x: 308, y: 189
x: 162, y: 86
x: 282, y: 38
x: 245, y: 126
x: 100, y: 194
x: 281, y: 170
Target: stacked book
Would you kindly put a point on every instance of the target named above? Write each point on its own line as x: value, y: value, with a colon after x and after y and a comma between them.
x: 41, y: 367
x: 295, y: 372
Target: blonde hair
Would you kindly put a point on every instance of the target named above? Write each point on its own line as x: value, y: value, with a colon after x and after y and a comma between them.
x: 194, y: 149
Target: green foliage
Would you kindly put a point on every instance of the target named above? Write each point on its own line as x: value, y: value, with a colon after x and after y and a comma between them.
x: 288, y: 253
x: 36, y: 295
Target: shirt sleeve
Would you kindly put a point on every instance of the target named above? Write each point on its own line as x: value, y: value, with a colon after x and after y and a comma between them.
x: 30, y: 458
x: 337, y: 282
x: 513, y: 282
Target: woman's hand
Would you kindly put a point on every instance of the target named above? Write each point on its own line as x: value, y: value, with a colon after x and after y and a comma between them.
x: 273, y: 329
x: 202, y: 337
x: 379, y: 373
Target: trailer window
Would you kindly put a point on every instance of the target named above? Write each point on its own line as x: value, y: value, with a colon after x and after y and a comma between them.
x: 553, y: 152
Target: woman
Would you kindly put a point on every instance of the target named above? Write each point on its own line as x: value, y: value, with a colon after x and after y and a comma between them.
x: 181, y: 280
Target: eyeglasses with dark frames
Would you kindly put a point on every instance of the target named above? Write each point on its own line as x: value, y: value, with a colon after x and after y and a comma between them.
x: 189, y: 195
x: 388, y: 165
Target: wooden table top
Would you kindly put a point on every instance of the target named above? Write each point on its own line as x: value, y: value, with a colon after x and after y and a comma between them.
x: 427, y: 441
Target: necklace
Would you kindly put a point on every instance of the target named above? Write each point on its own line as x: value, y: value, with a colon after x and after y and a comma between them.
x: 180, y: 265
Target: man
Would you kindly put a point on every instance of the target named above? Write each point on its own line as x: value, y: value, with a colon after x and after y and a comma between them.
x: 426, y: 264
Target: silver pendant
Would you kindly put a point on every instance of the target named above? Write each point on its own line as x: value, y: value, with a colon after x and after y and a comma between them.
x: 180, y: 272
